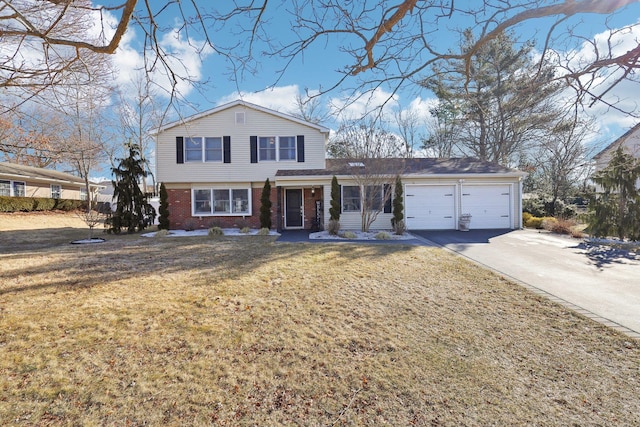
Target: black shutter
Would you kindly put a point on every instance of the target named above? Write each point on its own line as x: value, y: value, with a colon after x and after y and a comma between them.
x: 226, y: 149
x: 300, y: 142
x: 179, y: 149
x: 387, y: 202
x: 253, y: 142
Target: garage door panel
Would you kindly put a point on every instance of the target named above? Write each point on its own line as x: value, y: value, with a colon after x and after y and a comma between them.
x: 489, y: 206
x: 430, y: 207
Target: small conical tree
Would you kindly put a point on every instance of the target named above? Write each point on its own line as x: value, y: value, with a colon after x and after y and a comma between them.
x: 334, y: 210
x: 398, y: 207
x: 133, y: 212
x: 265, y: 205
x: 615, y: 209
x: 163, y: 219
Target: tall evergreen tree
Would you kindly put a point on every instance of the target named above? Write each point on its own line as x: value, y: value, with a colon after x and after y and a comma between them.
x: 163, y: 219
x: 616, y: 207
x: 265, y: 205
x: 133, y: 212
x: 502, y: 101
x: 334, y: 210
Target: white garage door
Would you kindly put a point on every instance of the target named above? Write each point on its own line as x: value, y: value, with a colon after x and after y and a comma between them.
x: 430, y: 207
x: 489, y: 205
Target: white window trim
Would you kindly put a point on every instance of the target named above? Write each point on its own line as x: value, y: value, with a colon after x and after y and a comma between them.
x: 277, y: 144
x: 212, y: 213
x: 342, y: 204
x: 59, y: 191
x: 203, y: 149
x: 12, y: 186
x: 362, y: 194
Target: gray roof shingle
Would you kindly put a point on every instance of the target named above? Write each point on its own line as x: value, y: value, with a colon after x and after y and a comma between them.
x: 37, y: 173
x: 415, y: 166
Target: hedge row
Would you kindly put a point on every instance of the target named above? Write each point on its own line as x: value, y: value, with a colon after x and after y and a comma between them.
x: 30, y: 204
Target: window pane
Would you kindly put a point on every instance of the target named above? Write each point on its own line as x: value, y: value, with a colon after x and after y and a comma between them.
x: 373, y: 197
x: 213, y: 149
x: 287, y: 148
x: 267, y: 148
x: 56, y: 191
x: 202, y: 201
x: 221, y: 201
x: 351, y: 198
x: 193, y: 149
x: 19, y: 189
x: 240, y: 201
x: 5, y: 188
x: 83, y: 194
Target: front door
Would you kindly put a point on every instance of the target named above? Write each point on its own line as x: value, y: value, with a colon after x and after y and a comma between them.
x: 293, y: 208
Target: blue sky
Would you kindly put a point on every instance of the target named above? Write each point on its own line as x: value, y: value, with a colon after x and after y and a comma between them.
x: 317, y: 68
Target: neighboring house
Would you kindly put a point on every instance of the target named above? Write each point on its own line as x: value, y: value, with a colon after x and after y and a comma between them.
x: 630, y: 141
x: 214, y: 165
x: 27, y: 181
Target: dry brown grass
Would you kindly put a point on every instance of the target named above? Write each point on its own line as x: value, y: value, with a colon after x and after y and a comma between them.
x: 201, y: 331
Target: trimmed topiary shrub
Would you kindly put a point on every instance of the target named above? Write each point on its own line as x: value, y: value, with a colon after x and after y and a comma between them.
x: 163, y: 209
x: 265, y: 205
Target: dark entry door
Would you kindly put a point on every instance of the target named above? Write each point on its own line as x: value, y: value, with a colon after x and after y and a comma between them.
x: 293, y: 209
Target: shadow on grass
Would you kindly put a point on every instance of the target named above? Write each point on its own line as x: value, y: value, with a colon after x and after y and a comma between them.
x: 603, y: 255
x: 64, y: 267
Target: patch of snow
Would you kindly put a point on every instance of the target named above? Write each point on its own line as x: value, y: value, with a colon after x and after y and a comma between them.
x: 360, y: 235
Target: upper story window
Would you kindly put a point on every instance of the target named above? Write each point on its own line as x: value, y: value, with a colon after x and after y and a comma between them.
x: 267, y: 148
x: 276, y: 148
x: 56, y: 191
x: 213, y: 149
x: 287, y: 148
x: 197, y: 148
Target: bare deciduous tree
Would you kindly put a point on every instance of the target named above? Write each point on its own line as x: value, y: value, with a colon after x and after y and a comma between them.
x: 384, y: 43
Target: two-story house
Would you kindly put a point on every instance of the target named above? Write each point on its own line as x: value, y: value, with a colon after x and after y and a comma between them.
x: 214, y: 165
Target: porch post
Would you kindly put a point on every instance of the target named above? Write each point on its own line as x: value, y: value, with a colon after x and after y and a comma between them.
x: 279, y: 209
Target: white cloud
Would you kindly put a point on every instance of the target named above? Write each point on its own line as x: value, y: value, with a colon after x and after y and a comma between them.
x: 359, y: 105
x: 624, y: 96
x: 279, y: 98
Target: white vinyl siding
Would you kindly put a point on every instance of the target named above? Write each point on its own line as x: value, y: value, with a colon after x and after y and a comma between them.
x: 240, y: 169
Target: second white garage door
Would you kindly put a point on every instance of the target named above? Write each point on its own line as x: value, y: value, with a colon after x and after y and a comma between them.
x: 430, y: 207
x: 489, y: 205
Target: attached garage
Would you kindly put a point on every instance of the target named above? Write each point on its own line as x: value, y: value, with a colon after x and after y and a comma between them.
x: 489, y: 205
x: 430, y: 207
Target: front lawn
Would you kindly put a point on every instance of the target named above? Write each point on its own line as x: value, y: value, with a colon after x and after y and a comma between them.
x: 198, y: 331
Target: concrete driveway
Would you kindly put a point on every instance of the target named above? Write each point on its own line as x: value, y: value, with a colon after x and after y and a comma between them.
x: 597, y: 281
